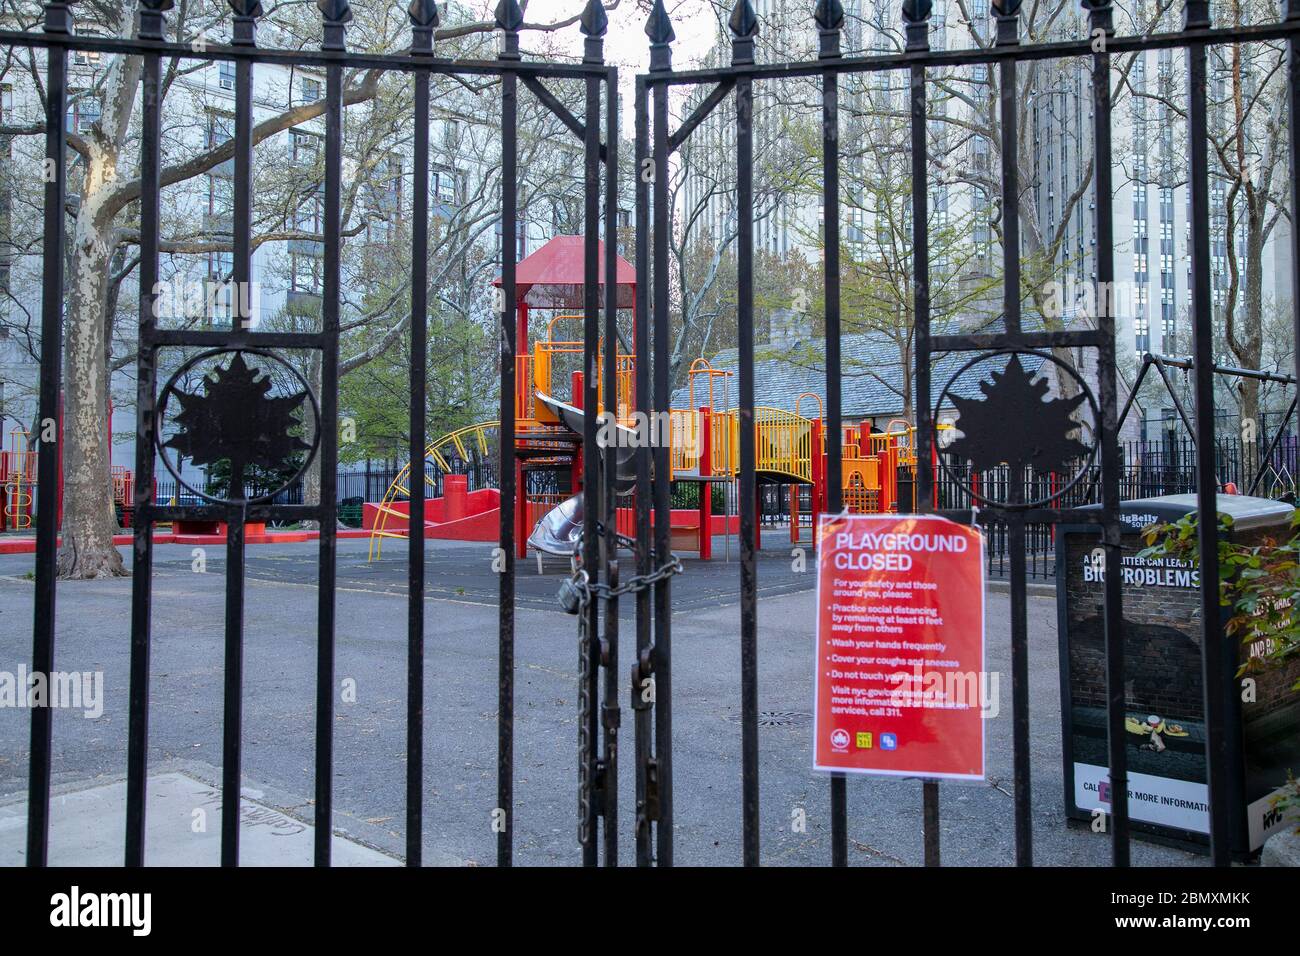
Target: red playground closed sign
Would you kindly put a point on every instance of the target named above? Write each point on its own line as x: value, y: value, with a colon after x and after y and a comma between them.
x: 900, y: 681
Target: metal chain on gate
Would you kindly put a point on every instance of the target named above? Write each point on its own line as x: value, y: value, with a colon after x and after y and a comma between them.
x: 575, y: 596
x: 577, y: 591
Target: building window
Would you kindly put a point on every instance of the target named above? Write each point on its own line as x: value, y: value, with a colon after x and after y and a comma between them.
x: 226, y: 75
x: 221, y: 197
x: 220, y: 289
x: 221, y: 129
x: 311, y: 215
x: 388, y: 186
x: 83, y: 113
x: 305, y: 274
x: 444, y: 187
x: 86, y: 58
x: 305, y: 147
x: 220, y: 265
x: 311, y: 90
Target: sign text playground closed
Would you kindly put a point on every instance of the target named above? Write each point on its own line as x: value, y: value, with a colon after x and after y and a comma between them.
x: 900, y: 681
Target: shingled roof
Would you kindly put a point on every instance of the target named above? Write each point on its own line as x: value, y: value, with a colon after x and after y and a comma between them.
x: 871, y: 376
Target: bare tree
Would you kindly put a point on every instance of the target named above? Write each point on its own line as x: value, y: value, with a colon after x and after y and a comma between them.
x: 104, y: 188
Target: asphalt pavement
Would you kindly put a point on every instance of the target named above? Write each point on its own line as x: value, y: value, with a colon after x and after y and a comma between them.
x: 93, y: 628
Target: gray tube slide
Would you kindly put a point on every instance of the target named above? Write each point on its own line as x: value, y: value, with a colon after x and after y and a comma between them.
x: 560, y: 530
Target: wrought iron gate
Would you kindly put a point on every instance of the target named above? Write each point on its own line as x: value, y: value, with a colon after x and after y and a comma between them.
x: 655, y: 143
x: 229, y: 348
x: 651, y: 672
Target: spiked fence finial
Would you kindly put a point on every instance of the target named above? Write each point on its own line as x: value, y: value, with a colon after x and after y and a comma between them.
x: 151, y: 18
x: 335, y: 11
x: 245, y: 28
x: 508, y: 15
x: 245, y: 8
x: 423, y: 13
x: 1008, y: 17
x: 659, y: 28
x: 509, y: 19
x: 1100, y: 15
x: 744, y: 26
x: 829, y: 14
x: 916, y: 11
x: 594, y: 21
x: 337, y: 14
x: 743, y: 22
x: 660, y: 31
x: 1196, y: 14
x: 916, y: 23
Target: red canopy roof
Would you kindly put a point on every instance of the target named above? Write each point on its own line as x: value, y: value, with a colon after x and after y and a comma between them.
x: 552, y: 277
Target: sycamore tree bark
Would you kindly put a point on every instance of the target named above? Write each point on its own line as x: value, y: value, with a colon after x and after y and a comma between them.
x: 88, y: 517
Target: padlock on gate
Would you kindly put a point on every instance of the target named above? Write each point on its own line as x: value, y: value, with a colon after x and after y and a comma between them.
x: 572, y: 594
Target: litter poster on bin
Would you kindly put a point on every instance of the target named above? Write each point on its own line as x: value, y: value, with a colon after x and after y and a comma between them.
x: 900, y: 682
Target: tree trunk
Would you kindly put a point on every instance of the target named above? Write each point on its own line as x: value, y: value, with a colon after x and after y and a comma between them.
x: 311, y: 479
x: 89, y: 521
x: 1251, y: 352
x: 88, y: 518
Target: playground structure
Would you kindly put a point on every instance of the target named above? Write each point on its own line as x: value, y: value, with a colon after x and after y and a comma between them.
x: 18, y: 481
x: 703, y: 437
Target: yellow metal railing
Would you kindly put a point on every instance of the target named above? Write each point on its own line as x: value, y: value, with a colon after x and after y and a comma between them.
x: 538, y: 376
x: 461, y: 440
x: 784, y: 442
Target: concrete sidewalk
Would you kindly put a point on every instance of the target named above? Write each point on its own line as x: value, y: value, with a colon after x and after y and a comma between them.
x: 182, y: 828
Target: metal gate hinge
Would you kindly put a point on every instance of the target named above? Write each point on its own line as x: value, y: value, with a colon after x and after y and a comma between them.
x: 613, y: 716
x: 652, y: 790
x: 598, y: 790
x: 642, y: 670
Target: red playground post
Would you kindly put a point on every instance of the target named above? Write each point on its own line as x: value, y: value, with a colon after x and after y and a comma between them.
x: 706, y: 487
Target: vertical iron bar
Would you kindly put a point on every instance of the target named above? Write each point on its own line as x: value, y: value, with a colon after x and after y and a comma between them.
x: 1100, y: 19
x: 641, y: 345
x: 421, y: 44
x: 1008, y: 35
x: 611, y: 713
x: 1216, y: 677
x: 1291, y: 11
x: 592, y: 493
x: 743, y: 53
x: 662, y: 477
x: 830, y: 21
x: 1015, y: 531
x: 57, y: 20
x: 923, y: 480
x: 503, y: 819
x: 329, y: 446
x: 244, y: 34
x: 232, y: 691
x: 151, y: 28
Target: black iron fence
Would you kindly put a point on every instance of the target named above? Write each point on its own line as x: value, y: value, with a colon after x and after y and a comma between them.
x: 601, y: 692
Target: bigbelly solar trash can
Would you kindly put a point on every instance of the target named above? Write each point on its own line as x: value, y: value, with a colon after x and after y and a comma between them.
x: 1163, y: 688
